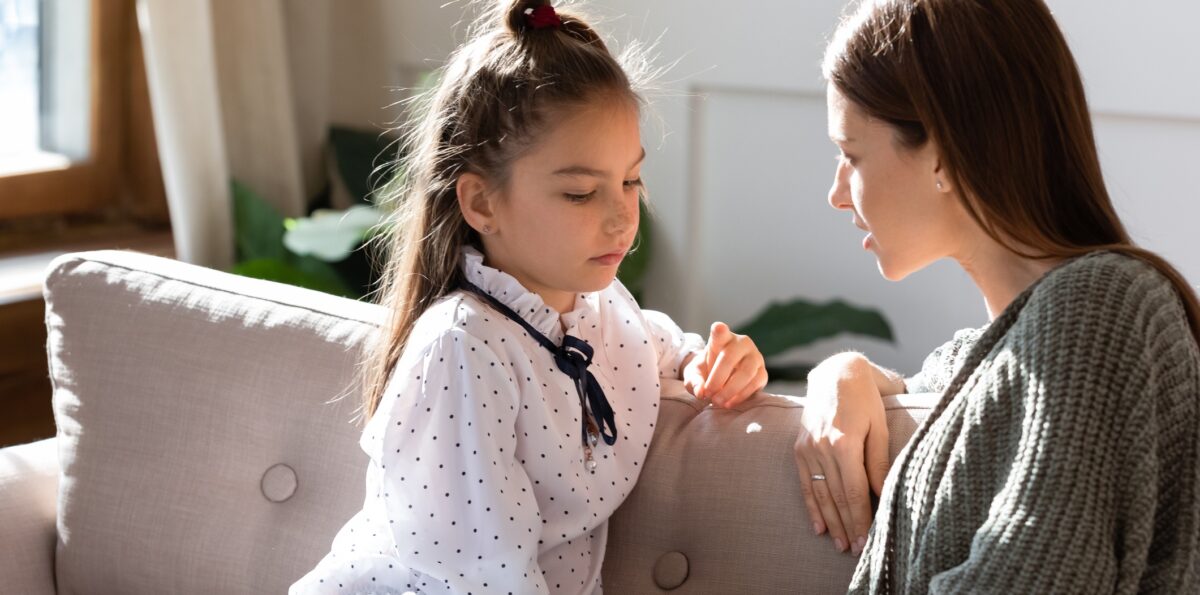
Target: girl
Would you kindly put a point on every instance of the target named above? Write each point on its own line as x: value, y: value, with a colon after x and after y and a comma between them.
x: 517, y: 385
x: 1064, y: 455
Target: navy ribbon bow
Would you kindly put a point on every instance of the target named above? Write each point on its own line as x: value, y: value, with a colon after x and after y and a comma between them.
x: 573, y: 358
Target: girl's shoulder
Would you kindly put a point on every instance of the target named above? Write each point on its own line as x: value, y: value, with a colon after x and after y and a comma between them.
x: 454, y: 314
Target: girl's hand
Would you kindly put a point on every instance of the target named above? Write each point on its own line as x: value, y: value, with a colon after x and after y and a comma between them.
x: 844, y: 438
x: 728, y: 370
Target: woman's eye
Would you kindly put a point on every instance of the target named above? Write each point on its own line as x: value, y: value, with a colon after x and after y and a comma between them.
x: 579, y: 197
x: 634, y: 183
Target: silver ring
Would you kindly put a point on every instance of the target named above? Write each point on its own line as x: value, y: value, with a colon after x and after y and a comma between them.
x: 818, y: 477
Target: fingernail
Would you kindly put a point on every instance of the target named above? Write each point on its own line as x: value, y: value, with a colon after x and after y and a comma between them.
x: 839, y: 544
x: 859, y: 545
x: 817, y: 528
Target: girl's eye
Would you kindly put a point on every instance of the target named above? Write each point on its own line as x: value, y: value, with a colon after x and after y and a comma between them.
x: 579, y: 197
x: 634, y: 183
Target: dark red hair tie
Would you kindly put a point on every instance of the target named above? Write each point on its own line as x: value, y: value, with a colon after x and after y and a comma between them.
x: 542, y: 17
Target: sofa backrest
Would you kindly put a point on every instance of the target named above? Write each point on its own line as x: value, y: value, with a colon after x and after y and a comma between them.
x: 202, y: 450
x: 205, y: 449
x: 718, y: 508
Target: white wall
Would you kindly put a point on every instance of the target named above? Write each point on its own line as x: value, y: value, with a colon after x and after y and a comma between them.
x: 739, y: 163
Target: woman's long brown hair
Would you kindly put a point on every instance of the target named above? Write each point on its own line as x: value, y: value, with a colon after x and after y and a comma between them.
x: 994, y: 84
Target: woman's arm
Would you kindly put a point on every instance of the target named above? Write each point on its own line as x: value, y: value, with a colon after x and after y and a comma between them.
x: 844, y: 439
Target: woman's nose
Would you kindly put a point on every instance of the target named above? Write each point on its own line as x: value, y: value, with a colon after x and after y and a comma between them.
x: 839, y: 192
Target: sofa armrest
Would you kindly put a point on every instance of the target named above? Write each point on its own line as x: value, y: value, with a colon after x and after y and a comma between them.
x: 28, y: 504
x: 718, y: 504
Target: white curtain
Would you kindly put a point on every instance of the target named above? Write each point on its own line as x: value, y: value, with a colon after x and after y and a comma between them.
x: 178, y: 45
x: 224, y: 108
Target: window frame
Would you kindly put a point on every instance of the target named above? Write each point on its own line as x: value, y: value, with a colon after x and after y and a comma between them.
x: 95, y: 183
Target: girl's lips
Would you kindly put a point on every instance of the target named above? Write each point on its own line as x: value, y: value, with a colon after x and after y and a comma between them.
x: 610, y: 259
x: 866, y: 243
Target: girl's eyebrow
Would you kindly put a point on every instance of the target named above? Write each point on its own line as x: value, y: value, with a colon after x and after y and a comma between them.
x: 581, y: 170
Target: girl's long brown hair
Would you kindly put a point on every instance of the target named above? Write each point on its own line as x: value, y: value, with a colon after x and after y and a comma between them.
x: 492, y: 100
x: 994, y: 84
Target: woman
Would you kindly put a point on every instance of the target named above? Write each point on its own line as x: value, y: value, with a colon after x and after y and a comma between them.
x: 1064, y: 454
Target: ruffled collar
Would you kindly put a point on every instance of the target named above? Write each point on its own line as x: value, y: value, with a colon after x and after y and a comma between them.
x: 529, y: 305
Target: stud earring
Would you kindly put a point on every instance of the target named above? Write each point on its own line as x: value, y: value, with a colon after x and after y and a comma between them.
x: 486, y: 229
x: 939, y: 184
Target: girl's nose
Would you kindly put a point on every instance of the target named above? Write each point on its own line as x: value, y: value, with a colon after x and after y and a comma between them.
x: 623, y: 215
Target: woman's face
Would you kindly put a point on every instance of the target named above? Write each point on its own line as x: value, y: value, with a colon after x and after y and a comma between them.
x: 893, y: 192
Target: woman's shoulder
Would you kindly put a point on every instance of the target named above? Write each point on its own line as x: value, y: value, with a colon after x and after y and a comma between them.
x: 1102, y: 286
x: 1111, y: 272
x: 1113, y: 310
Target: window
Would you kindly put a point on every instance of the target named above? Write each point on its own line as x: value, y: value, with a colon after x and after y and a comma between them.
x: 63, y: 70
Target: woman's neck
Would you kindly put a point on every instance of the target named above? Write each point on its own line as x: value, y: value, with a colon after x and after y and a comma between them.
x: 999, y: 274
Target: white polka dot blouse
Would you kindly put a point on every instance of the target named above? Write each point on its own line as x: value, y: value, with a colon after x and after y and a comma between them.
x: 479, y: 480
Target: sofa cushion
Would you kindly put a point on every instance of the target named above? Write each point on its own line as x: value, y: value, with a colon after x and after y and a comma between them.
x: 178, y: 394
x: 28, y: 482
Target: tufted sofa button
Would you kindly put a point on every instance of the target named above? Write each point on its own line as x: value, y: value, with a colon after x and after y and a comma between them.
x: 279, y: 483
x: 671, y: 570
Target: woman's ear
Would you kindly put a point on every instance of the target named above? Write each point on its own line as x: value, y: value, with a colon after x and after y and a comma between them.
x: 475, y: 202
x: 941, y: 177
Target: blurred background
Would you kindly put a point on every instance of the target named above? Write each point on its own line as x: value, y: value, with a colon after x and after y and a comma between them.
x: 188, y: 127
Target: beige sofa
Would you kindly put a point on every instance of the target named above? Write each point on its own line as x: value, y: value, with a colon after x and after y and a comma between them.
x: 201, y: 448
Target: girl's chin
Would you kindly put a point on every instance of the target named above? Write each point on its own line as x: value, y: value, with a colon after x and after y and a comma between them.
x: 599, y: 282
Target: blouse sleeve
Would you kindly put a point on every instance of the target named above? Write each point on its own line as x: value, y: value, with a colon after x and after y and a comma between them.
x: 459, y: 505
x: 670, y: 342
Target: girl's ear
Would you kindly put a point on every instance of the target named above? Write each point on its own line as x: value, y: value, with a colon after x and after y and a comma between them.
x: 475, y: 202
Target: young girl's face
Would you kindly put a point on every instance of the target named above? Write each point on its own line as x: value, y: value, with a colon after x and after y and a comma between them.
x: 569, y: 212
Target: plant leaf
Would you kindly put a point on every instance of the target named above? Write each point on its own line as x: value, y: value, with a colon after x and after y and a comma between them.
x: 356, y: 153
x: 782, y: 326
x: 331, y: 235
x: 308, y: 273
x: 258, y: 227
x: 788, y: 372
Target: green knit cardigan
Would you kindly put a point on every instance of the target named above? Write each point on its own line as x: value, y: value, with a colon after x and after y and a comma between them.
x: 1064, y: 455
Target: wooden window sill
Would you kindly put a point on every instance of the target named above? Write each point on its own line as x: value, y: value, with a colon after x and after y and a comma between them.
x: 21, y: 272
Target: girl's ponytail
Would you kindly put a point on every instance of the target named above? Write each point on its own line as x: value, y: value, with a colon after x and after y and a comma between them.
x: 516, y: 14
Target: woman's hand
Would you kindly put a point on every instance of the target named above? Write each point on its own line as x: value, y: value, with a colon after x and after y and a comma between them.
x: 842, y: 449
x: 728, y: 370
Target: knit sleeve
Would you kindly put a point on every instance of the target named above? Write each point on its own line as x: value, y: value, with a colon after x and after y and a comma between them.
x: 1081, y: 502
x: 939, y: 367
